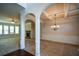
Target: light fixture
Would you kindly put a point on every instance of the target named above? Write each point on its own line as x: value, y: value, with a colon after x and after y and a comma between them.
x: 55, y: 26
x: 13, y: 19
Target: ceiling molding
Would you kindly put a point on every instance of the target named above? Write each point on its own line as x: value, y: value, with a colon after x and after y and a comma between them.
x: 66, y: 13
x: 66, y: 7
x: 47, y: 15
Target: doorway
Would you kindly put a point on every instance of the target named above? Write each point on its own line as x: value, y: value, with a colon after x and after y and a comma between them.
x: 30, y: 34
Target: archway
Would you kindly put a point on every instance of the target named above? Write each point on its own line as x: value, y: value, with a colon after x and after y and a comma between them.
x: 30, y: 33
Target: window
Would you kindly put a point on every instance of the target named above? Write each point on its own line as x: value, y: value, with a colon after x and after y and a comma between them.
x: 11, y: 29
x: 6, y: 29
x: 16, y: 29
x: 0, y: 29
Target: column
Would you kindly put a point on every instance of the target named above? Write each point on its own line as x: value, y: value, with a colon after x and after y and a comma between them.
x: 37, y: 35
x: 22, y: 29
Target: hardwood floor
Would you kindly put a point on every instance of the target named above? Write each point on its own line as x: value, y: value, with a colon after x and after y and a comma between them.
x: 51, y: 48
x: 48, y: 48
x: 19, y: 53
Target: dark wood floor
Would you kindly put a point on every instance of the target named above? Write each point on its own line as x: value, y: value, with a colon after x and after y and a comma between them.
x: 19, y: 53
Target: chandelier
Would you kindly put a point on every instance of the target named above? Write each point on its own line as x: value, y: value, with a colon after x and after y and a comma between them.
x: 55, y: 26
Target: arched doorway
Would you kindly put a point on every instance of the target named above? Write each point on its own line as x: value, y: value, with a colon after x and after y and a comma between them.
x: 30, y: 33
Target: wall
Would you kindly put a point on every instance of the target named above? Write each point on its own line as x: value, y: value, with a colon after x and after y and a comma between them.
x: 10, y: 42
x: 67, y: 33
x: 33, y: 31
x: 78, y: 31
x: 30, y: 26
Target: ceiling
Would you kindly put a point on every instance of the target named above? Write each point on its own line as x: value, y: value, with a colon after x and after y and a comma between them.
x: 10, y: 9
x: 61, y: 10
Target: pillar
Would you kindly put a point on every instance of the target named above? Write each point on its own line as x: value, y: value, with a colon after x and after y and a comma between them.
x: 22, y: 29
x: 37, y: 35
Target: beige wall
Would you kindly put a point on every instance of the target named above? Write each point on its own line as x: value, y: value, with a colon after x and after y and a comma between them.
x: 67, y: 33
x: 30, y: 26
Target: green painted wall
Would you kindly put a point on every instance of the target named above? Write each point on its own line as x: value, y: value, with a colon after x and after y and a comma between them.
x: 9, y: 42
